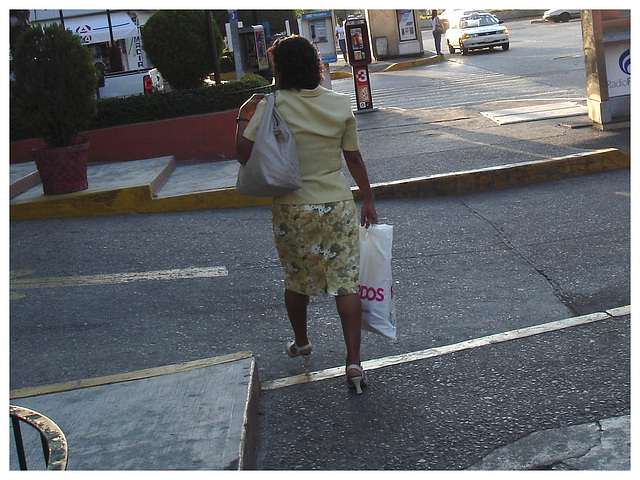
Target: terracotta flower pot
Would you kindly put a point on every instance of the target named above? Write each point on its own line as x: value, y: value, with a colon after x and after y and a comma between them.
x: 62, y: 169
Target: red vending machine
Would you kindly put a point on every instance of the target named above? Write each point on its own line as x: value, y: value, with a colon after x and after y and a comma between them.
x: 359, y: 52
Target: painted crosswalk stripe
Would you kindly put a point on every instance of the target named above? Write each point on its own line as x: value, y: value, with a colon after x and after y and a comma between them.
x: 19, y: 282
x: 456, y: 347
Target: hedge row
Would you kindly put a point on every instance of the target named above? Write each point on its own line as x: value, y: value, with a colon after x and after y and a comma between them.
x: 161, y: 106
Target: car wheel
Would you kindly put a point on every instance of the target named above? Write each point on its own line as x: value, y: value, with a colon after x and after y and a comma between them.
x: 464, y: 50
x: 451, y: 48
x: 505, y: 46
x: 565, y: 17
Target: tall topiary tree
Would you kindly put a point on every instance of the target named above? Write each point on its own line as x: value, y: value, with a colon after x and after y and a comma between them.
x: 177, y: 43
x: 55, y: 84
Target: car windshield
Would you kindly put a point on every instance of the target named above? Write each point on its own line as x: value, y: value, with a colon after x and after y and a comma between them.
x: 476, y: 20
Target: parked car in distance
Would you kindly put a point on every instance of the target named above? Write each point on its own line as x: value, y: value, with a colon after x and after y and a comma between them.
x: 475, y: 31
x: 132, y: 82
x: 560, y: 15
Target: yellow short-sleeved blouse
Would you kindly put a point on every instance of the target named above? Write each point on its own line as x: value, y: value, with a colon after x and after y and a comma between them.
x: 323, y: 125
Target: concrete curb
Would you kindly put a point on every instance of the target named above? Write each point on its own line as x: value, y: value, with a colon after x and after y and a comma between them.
x: 395, y: 66
x: 481, y: 180
x: 340, y: 74
x: 414, y: 63
x: 140, y: 198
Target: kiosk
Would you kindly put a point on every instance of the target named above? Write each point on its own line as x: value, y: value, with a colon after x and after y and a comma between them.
x: 606, y: 37
x: 318, y: 28
x: 356, y: 34
x: 253, y: 48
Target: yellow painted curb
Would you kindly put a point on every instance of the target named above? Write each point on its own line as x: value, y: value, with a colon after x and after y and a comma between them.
x: 337, y: 75
x: 136, y: 199
x: 414, y: 63
x: 82, y: 204
x: 139, y: 199
x: 482, y: 180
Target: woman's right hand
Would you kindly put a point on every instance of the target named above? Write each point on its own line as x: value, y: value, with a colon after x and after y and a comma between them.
x: 244, y: 146
x: 368, y: 214
x: 248, y: 108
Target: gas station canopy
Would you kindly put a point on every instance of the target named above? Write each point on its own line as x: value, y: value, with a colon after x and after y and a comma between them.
x: 95, y: 28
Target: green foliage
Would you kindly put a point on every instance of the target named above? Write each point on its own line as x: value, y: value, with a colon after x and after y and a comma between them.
x: 160, y: 106
x: 275, y: 18
x: 227, y: 63
x: 55, y: 84
x: 177, y: 44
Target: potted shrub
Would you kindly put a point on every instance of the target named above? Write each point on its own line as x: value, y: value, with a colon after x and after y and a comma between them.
x: 54, y: 97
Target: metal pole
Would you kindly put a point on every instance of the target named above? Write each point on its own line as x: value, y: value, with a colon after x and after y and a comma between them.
x: 115, y: 59
x: 214, y: 48
x: 110, y: 27
x: 235, y: 39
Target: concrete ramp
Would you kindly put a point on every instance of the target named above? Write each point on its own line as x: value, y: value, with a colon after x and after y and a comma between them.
x: 197, y: 415
x: 536, y: 112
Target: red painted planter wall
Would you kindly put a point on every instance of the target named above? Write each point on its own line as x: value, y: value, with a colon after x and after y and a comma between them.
x: 210, y: 136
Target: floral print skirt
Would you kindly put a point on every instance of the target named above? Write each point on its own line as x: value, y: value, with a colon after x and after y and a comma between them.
x: 318, y: 246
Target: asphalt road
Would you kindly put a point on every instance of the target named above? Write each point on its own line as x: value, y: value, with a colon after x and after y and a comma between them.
x: 465, y: 267
x: 545, y: 61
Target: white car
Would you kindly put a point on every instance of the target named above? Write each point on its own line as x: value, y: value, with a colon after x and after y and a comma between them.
x: 560, y: 15
x: 476, y: 30
x: 452, y: 15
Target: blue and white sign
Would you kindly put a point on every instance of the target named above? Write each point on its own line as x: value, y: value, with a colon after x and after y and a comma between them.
x: 618, y: 62
x: 312, y: 15
x: 318, y: 28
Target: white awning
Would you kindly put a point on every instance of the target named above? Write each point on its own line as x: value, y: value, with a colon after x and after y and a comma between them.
x: 95, y: 28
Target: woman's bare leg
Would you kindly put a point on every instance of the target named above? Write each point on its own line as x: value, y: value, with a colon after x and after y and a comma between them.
x: 350, y: 312
x: 297, y: 304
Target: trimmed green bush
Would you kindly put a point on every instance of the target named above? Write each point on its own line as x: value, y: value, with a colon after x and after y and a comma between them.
x: 177, y: 44
x: 113, y: 112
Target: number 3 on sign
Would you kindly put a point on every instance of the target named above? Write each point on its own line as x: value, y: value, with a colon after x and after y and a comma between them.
x: 362, y: 76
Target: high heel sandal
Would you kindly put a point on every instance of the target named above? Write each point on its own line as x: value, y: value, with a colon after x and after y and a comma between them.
x: 357, y: 381
x: 293, y: 350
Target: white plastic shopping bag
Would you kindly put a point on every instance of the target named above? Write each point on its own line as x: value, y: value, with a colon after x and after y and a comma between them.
x: 376, y: 280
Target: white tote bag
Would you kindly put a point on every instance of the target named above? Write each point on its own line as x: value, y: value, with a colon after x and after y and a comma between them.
x: 376, y: 280
x: 272, y: 169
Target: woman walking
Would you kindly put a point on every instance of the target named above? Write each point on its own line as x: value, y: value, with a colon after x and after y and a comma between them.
x: 316, y: 227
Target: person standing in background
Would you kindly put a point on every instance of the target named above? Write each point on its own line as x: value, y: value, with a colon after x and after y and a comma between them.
x: 438, y: 29
x: 341, y: 40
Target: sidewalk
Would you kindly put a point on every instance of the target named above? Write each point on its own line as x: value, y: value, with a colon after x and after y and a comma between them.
x: 194, y: 416
x: 164, y: 185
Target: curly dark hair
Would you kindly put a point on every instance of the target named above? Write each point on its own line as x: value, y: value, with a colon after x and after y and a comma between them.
x: 297, y: 61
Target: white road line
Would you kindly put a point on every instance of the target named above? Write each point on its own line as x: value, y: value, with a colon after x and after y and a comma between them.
x: 18, y: 283
x: 456, y: 347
